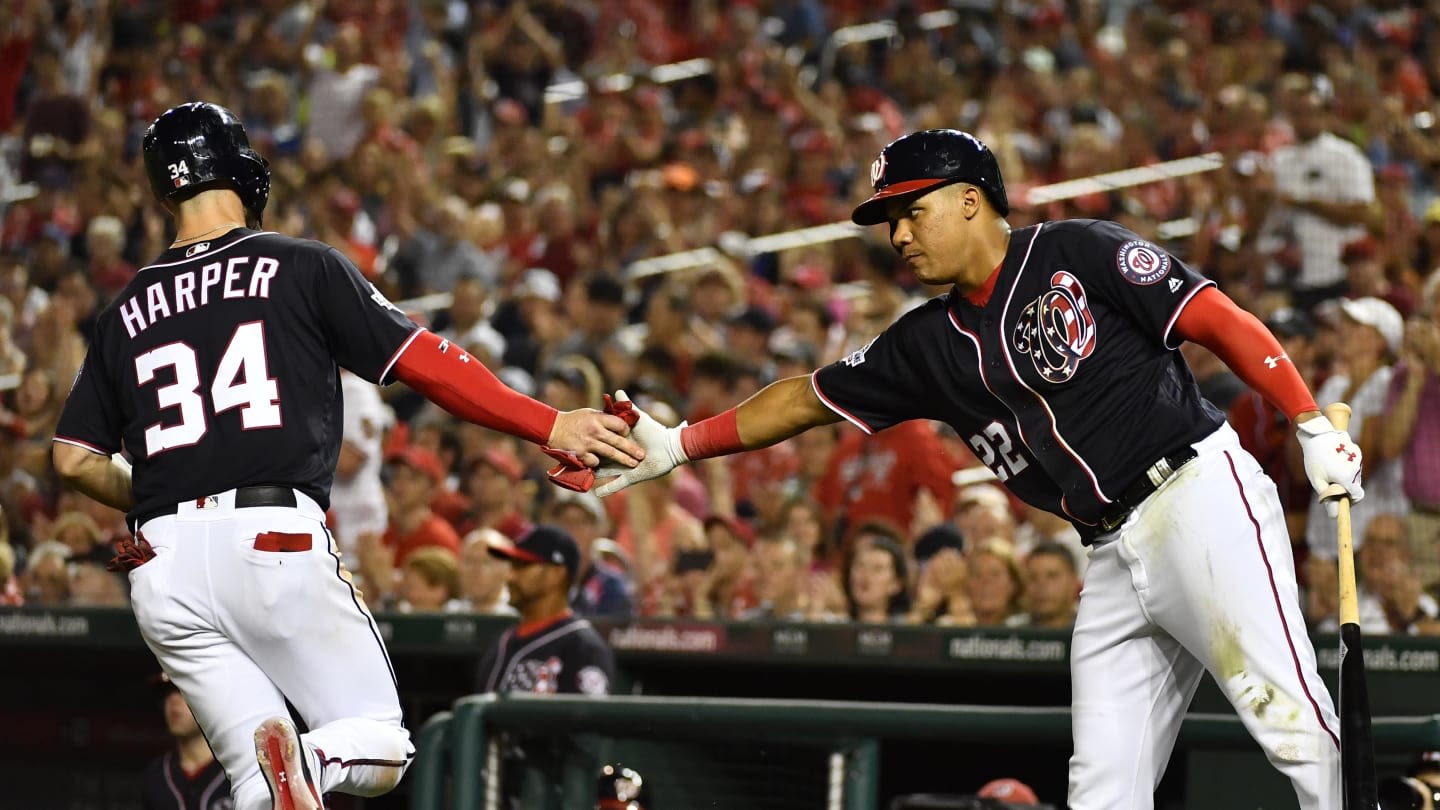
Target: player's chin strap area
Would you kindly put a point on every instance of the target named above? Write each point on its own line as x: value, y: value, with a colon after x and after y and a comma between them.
x: 1143, y: 487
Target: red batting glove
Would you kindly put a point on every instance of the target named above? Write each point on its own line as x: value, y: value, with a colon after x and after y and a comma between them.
x: 572, y: 473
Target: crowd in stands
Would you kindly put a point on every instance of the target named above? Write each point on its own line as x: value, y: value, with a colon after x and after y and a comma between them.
x: 521, y: 156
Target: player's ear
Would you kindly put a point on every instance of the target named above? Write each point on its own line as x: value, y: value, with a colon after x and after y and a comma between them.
x: 971, y: 199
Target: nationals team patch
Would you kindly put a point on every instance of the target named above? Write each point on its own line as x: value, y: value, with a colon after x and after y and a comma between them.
x: 1141, y: 262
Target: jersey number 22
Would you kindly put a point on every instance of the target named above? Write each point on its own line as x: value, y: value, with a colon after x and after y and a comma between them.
x: 242, y: 380
x: 996, y: 451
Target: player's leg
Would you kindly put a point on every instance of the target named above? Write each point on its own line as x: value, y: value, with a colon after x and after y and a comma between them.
x: 1130, y: 688
x: 1225, y: 587
x: 228, y: 694
x: 308, y: 628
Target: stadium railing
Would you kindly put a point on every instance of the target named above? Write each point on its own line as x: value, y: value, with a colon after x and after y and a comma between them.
x: 460, y: 752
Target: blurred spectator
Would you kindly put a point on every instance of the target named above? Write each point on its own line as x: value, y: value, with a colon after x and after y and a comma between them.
x: 722, y: 588
x: 415, y: 476
x: 83, y: 536
x: 498, y: 493
x: 438, y: 257
x: 983, y: 510
x: 1410, y: 430
x: 57, y: 125
x: 47, y: 575
x: 10, y: 593
x: 996, y: 584
x: 1052, y: 587
x: 780, y: 573
x: 468, y: 327
x: 336, y: 87
x: 429, y: 580
x: 803, y: 520
x: 357, y: 496
x: 1370, y: 332
x: 92, y: 586
x: 941, y: 595
x: 1366, y: 277
x: 1392, y: 597
x: 1325, y: 188
x: 187, y: 776
x: 876, y: 583
x: 105, y: 246
x: 482, y: 577
x: 601, y: 588
x: 867, y: 480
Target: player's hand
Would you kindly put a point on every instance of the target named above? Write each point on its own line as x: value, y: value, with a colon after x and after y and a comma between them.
x: 596, y: 437
x: 663, y: 453
x: 1331, y: 457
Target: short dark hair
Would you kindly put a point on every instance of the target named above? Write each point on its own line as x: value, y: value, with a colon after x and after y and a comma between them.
x: 716, y: 366
x: 1054, y: 549
x: 900, y: 600
x: 604, y: 290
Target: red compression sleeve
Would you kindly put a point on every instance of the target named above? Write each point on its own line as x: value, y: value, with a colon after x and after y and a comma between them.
x: 717, y: 436
x: 449, y: 377
x: 1247, y: 347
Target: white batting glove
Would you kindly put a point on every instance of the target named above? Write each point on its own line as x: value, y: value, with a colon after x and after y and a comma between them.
x: 1331, y: 457
x: 663, y: 453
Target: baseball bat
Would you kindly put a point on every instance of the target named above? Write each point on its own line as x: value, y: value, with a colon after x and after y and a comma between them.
x: 1357, y: 742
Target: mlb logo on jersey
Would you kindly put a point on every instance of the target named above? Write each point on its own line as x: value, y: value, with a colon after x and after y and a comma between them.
x: 1141, y: 262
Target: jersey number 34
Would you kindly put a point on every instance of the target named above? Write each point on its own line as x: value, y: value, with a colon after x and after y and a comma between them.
x: 242, y: 380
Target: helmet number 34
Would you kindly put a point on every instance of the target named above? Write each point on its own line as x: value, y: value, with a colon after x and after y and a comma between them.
x: 180, y: 173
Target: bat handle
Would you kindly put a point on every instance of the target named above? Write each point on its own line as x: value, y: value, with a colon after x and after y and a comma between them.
x: 1339, y: 415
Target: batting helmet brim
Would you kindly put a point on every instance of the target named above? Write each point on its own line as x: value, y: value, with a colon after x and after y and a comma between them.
x: 872, y: 211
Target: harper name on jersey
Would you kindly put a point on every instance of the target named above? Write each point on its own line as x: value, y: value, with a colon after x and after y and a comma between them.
x: 192, y: 289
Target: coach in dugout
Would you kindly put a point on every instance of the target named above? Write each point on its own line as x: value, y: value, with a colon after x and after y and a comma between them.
x: 551, y: 651
x: 186, y: 777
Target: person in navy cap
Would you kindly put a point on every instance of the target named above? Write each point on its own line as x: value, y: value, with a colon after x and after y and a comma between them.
x: 551, y: 650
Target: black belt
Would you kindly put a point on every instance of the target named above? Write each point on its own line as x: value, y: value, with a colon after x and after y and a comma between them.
x: 244, y: 497
x: 1142, y: 488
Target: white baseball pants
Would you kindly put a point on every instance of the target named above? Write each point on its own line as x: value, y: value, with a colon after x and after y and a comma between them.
x: 1199, y: 578
x: 240, y: 630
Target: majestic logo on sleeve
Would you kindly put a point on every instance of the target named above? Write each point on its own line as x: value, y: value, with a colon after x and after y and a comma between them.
x: 1141, y: 262
x: 1057, y: 329
x: 380, y: 299
x: 857, y: 357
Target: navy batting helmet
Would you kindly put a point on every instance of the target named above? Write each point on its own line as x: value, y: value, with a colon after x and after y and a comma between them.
x: 923, y: 161
x: 199, y: 146
x: 621, y: 788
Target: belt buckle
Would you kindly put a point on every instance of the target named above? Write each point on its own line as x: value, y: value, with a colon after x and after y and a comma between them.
x: 1159, y: 472
x: 1111, y: 524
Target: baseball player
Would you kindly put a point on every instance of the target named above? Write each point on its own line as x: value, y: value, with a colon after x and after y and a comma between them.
x: 216, y: 371
x: 185, y: 777
x: 1054, y: 355
x: 551, y: 651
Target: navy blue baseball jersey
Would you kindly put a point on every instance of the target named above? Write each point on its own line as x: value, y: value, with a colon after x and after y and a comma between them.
x: 215, y: 367
x: 1066, y: 382
x: 566, y: 657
